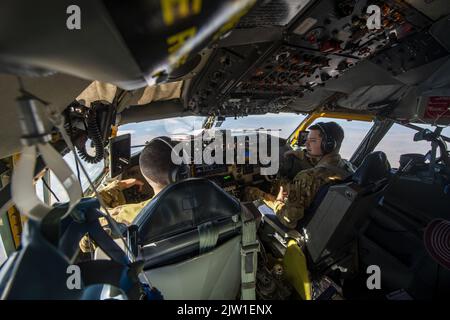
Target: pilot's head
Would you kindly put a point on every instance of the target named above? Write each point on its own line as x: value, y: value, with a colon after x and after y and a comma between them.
x: 324, y: 138
x: 156, y: 163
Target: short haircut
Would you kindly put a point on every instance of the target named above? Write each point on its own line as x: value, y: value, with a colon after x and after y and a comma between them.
x: 331, y: 129
x: 155, y: 160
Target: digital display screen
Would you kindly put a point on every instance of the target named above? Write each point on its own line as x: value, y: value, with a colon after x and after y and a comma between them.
x: 119, y: 154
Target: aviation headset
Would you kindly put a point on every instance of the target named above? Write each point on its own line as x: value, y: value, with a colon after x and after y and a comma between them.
x: 329, y: 143
x: 175, y: 173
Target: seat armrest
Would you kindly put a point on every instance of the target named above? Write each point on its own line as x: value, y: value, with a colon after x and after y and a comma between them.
x: 269, y: 217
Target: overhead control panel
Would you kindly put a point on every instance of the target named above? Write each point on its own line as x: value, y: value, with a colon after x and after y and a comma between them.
x: 321, y: 42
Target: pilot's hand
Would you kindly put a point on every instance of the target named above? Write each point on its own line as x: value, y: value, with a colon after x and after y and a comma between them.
x: 282, y: 194
x: 128, y: 183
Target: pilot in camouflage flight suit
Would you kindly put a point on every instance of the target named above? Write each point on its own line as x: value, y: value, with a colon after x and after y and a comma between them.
x: 156, y: 167
x: 113, y: 198
x: 323, y: 165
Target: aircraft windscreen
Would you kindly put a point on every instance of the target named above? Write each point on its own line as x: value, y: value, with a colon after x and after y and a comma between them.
x: 145, y: 131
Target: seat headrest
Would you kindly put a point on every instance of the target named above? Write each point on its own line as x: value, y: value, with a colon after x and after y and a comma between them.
x: 183, y: 206
x: 374, y: 167
x: 411, y: 158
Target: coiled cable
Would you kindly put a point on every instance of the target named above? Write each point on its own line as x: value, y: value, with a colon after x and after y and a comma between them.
x: 93, y: 133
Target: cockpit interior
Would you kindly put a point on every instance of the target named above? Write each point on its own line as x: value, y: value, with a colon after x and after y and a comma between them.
x: 80, y: 83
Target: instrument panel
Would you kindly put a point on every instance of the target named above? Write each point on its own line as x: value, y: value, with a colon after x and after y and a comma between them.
x: 233, y: 178
x: 234, y: 175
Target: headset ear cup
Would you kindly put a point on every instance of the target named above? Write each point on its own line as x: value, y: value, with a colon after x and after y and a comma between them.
x: 173, y: 177
x: 333, y: 145
x: 328, y: 145
x: 178, y: 172
x: 323, y: 146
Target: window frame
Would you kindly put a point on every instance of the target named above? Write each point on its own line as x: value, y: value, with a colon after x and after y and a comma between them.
x: 46, y: 174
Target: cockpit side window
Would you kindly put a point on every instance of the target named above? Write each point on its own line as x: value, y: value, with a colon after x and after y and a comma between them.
x: 57, y: 193
x: 399, y: 140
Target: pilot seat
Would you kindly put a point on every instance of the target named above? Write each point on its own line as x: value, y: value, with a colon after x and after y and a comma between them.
x: 190, y: 237
x: 329, y: 230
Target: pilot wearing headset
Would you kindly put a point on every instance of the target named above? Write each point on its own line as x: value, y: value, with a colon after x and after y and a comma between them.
x: 158, y: 170
x: 326, y: 165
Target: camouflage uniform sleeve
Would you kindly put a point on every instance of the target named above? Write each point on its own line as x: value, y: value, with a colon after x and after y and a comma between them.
x: 112, y: 195
x: 253, y: 193
x: 301, y: 193
x: 300, y: 154
x: 128, y: 212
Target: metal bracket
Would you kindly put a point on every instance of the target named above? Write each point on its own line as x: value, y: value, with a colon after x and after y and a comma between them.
x: 35, y: 140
